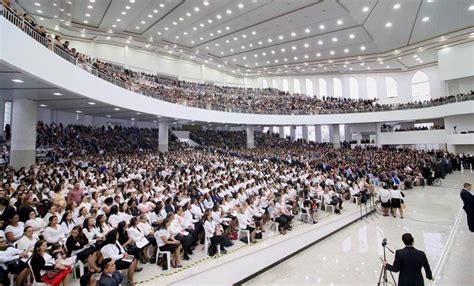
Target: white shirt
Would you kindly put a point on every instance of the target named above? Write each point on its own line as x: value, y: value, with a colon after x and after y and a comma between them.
x: 113, y: 251
x: 53, y: 235
x: 160, y: 233
x: 395, y: 194
x: 209, y: 229
x: 114, y: 220
x: 16, y: 230
x: 384, y: 195
x: 8, y: 255
x: 26, y: 244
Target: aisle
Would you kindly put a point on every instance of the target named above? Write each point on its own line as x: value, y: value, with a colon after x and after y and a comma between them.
x: 351, y: 256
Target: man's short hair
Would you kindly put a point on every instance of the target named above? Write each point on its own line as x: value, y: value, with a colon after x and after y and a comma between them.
x: 467, y: 185
x: 407, y: 239
x: 104, y: 263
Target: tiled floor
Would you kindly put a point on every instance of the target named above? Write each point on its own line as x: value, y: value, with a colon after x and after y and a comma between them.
x: 351, y: 256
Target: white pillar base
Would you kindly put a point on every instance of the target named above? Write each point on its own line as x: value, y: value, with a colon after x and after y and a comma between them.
x: 23, y: 141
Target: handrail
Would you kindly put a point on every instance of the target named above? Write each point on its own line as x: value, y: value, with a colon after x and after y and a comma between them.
x: 48, y: 43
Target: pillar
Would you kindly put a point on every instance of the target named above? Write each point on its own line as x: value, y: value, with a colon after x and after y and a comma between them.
x: 305, y: 133
x: 281, y: 132
x: 163, y: 137
x: 331, y: 133
x: 378, y: 134
x: 317, y: 133
x: 359, y: 138
x: 293, y: 133
x: 23, y: 141
x: 2, y: 118
x: 347, y: 133
x: 336, y: 136
x: 250, y: 137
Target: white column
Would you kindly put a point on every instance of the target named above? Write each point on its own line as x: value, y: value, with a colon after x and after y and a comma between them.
x: 250, y: 137
x: 281, y: 132
x: 317, y: 133
x: 304, y: 129
x: 347, y: 133
x: 359, y: 138
x: 378, y: 134
x: 293, y: 133
x: 331, y: 133
x: 336, y: 136
x: 23, y: 142
x: 163, y: 137
x: 2, y: 118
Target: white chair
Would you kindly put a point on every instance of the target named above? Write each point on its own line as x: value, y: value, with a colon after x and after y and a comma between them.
x: 329, y: 207
x: 166, y: 253
x: 274, y: 224
x: 79, y: 265
x: 305, y: 216
x: 207, y: 244
x: 355, y: 199
x: 35, y: 283
x: 240, y: 231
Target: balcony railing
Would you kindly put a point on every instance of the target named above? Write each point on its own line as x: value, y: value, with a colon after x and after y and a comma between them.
x: 51, y: 45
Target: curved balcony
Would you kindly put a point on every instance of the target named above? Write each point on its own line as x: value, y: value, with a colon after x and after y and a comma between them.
x: 30, y: 54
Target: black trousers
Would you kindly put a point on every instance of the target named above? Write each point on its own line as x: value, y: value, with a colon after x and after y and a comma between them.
x: 186, y: 241
x: 470, y: 220
x: 216, y: 240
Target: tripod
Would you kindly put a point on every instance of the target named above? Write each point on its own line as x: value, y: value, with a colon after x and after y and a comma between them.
x: 383, y: 270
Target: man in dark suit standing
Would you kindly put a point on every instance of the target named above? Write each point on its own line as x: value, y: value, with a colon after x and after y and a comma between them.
x: 468, y: 200
x: 408, y: 261
x: 110, y: 276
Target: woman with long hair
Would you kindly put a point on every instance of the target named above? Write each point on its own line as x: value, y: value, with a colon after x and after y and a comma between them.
x: 67, y: 223
x: 166, y: 242
x: 77, y: 244
x: 53, y: 233
x: 102, y: 225
x: 45, y: 269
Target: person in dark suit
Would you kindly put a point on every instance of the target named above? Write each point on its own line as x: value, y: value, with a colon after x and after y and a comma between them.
x: 408, y: 261
x: 6, y: 213
x: 110, y: 276
x: 468, y: 200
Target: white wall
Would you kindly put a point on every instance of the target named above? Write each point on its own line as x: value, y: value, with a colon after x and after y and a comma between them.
x: 460, y: 85
x: 153, y: 63
x: 463, y: 123
x: 403, y: 79
x: 414, y: 137
x: 456, y: 62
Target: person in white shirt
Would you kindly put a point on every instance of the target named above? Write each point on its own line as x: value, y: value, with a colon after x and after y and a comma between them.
x: 37, y: 224
x: 245, y: 223
x: 396, y: 201
x: 385, y: 199
x: 8, y: 254
x: 139, y: 239
x: 213, y: 232
x: 92, y: 233
x: 115, y: 251
x: 166, y: 242
x: 15, y: 229
x: 114, y: 218
x: 27, y: 241
x: 67, y: 223
x: 54, y: 233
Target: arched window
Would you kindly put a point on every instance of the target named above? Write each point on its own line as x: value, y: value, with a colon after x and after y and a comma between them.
x: 353, y: 88
x: 420, y: 86
x: 323, y: 89
x: 309, y: 87
x: 274, y: 83
x: 337, y: 87
x: 296, y: 86
x: 371, y: 88
x: 264, y: 83
x: 391, y: 87
x: 284, y: 85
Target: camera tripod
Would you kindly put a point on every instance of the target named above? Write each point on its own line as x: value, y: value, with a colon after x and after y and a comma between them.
x: 383, y: 277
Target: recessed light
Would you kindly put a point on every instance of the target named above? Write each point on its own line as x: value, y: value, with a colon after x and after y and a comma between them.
x: 322, y: 27
x: 293, y: 48
x: 425, y: 19
x: 196, y: 9
x: 162, y: 5
x: 42, y: 105
x: 365, y: 9
x: 396, y: 6
x: 320, y: 42
x: 388, y: 67
x: 471, y: 8
x: 155, y: 11
x: 334, y: 39
x: 108, y: 115
x: 346, y: 50
x: 388, y: 24
x: 227, y: 28
x: 90, y: 7
x: 307, y: 30
x: 218, y: 16
x: 118, y: 20
x: 78, y: 111
x: 91, y: 103
x: 37, y: 4
x: 88, y: 15
x: 17, y: 80
x: 39, y: 11
x: 229, y: 11
x: 205, y: 3
x: 280, y: 37
x: 293, y: 34
x: 318, y: 54
x: 86, y: 22
x: 283, y: 50
x: 306, y: 45
x: 339, y: 22
x: 362, y: 48
x: 57, y: 93
x: 254, y: 33
x: 117, y: 109
x: 351, y: 36
x: 124, y: 13
x: 143, y: 22
x: 270, y: 40
x: 332, y: 52
x: 127, y: 7
x: 241, y: 5
x: 133, y: 119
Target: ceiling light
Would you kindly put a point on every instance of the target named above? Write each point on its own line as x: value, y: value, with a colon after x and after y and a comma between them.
x: 241, y: 5
x: 88, y: 15
x: 17, y: 80
x: 37, y: 4
x: 322, y: 27
x: 114, y: 26
x: 91, y: 103
x: 78, y: 111
x: 425, y: 19
x: 39, y: 11
x: 90, y: 7
x: 244, y: 36
x: 166, y: 28
x: 218, y: 16
x: 175, y: 23
x: 388, y: 24
x: 362, y: 48
x: 346, y: 50
x: 415, y: 56
x: 332, y: 52
x: 306, y: 45
x: 334, y: 39
x: 124, y: 13
x: 227, y: 28
x: 396, y: 6
x: 117, y: 109
x: 339, y: 22
x: 162, y: 5
x: 205, y: 3
x: 132, y: 1
x: 270, y: 40
x: 471, y: 8
x: 307, y: 30
x: 293, y: 48
x: 42, y: 105
x: 127, y: 7
x: 365, y: 9
x: 283, y: 50
x: 155, y: 11
x: 57, y: 93
x: 209, y: 21
x: 351, y: 36
x: 229, y: 11
x: 293, y: 34
x: 254, y: 33
x: 137, y: 27
x: 320, y: 42
x: 420, y: 62
x: 118, y: 20
x: 280, y: 37
x: 196, y: 9
x: 108, y: 38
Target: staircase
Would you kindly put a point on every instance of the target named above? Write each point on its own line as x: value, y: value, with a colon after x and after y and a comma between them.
x: 183, y: 136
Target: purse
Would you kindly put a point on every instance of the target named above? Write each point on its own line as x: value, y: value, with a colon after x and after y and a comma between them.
x: 51, y: 273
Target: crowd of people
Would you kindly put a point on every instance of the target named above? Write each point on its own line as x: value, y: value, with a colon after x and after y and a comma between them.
x: 388, y: 128
x: 226, y: 98
x: 105, y: 197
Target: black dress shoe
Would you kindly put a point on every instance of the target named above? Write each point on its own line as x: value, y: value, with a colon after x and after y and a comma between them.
x: 138, y: 269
